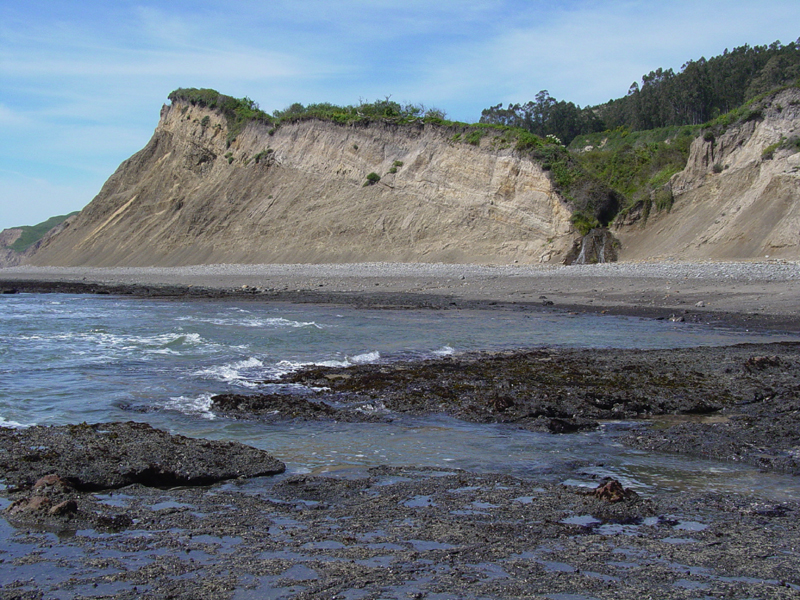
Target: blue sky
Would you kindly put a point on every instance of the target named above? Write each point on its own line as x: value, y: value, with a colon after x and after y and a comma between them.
x: 82, y: 83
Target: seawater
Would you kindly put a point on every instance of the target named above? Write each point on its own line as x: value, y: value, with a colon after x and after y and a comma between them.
x: 74, y: 358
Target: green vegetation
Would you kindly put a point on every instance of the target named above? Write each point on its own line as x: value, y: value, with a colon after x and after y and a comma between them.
x: 385, y: 109
x: 637, y: 165
x: 593, y: 201
x: 701, y: 92
x: 238, y: 112
x: 33, y: 233
x: 792, y: 144
x: 263, y: 155
x: 372, y: 179
x: 474, y: 137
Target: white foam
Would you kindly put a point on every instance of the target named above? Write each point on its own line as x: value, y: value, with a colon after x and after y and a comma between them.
x: 444, y: 351
x: 267, y: 323
x: 234, y: 373
x: 366, y: 358
x: 200, y: 406
x: 289, y: 366
x: 123, y: 342
x: 374, y: 407
x: 14, y: 424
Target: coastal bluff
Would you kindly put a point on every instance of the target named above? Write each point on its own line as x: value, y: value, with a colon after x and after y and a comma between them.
x: 737, y: 198
x: 307, y: 192
x: 321, y: 191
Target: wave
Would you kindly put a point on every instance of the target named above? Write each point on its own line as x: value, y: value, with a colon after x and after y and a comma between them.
x: 239, y: 373
x: 102, y: 346
x: 14, y: 424
x: 269, y: 323
x: 444, y: 351
x: 200, y: 406
x: 288, y: 366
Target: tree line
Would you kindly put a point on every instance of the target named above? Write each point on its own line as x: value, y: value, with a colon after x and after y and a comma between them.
x: 701, y: 91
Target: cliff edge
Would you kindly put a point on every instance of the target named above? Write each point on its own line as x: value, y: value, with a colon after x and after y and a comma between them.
x: 300, y: 193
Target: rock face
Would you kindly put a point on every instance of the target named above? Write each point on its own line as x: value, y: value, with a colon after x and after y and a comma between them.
x: 597, y: 246
x: 297, y: 193
x: 739, y: 196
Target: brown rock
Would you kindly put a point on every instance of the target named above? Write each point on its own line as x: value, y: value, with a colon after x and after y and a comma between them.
x: 24, y: 505
x: 612, y: 491
x: 51, y: 480
x: 67, y: 507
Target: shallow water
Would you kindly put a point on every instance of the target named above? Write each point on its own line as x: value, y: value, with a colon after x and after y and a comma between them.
x: 70, y: 358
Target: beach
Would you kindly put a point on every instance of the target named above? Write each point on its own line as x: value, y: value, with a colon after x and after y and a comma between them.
x: 763, y: 294
x: 416, y: 531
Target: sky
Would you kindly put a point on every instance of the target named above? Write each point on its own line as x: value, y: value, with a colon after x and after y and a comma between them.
x: 82, y: 83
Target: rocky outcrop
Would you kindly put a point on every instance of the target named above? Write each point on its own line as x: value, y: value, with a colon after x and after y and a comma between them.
x: 297, y: 193
x: 597, y: 246
x: 112, y: 455
x: 737, y: 198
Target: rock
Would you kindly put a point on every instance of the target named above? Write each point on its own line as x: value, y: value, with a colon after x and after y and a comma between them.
x: 27, y: 505
x: 597, y: 246
x: 422, y: 224
x: 700, y: 304
x: 67, y: 507
x: 51, y: 480
x: 612, y: 491
x: 562, y: 426
x: 276, y: 406
x: 759, y: 363
x: 111, y: 455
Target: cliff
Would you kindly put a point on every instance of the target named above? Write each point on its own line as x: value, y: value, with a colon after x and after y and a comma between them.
x: 297, y: 193
x: 737, y: 198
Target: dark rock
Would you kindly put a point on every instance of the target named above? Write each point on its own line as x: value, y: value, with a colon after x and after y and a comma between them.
x: 597, y: 246
x: 275, y: 406
x: 562, y: 426
x: 112, y: 455
x: 759, y: 363
x: 51, y: 480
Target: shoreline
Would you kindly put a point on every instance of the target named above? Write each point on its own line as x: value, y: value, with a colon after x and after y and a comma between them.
x: 746, y: 295
x: 417, y: 531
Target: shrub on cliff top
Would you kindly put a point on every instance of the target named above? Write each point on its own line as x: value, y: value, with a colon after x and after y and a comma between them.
x: 238, y: 112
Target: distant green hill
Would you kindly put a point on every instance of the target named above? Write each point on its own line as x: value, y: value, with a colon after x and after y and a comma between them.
x: 33, y: 233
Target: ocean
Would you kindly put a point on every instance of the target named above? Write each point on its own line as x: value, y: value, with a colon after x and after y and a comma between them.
x: 81, y: 358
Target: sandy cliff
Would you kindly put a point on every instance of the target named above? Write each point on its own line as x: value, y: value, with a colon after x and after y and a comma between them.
x: 187, y: 198
x: 738, y: 198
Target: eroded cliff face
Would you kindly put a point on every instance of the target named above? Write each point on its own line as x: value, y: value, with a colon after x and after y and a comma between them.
x: 738, y: 198
x: 187, y: 198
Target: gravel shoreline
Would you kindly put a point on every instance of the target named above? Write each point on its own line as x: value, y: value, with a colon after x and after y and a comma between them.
x: 763, y: 295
